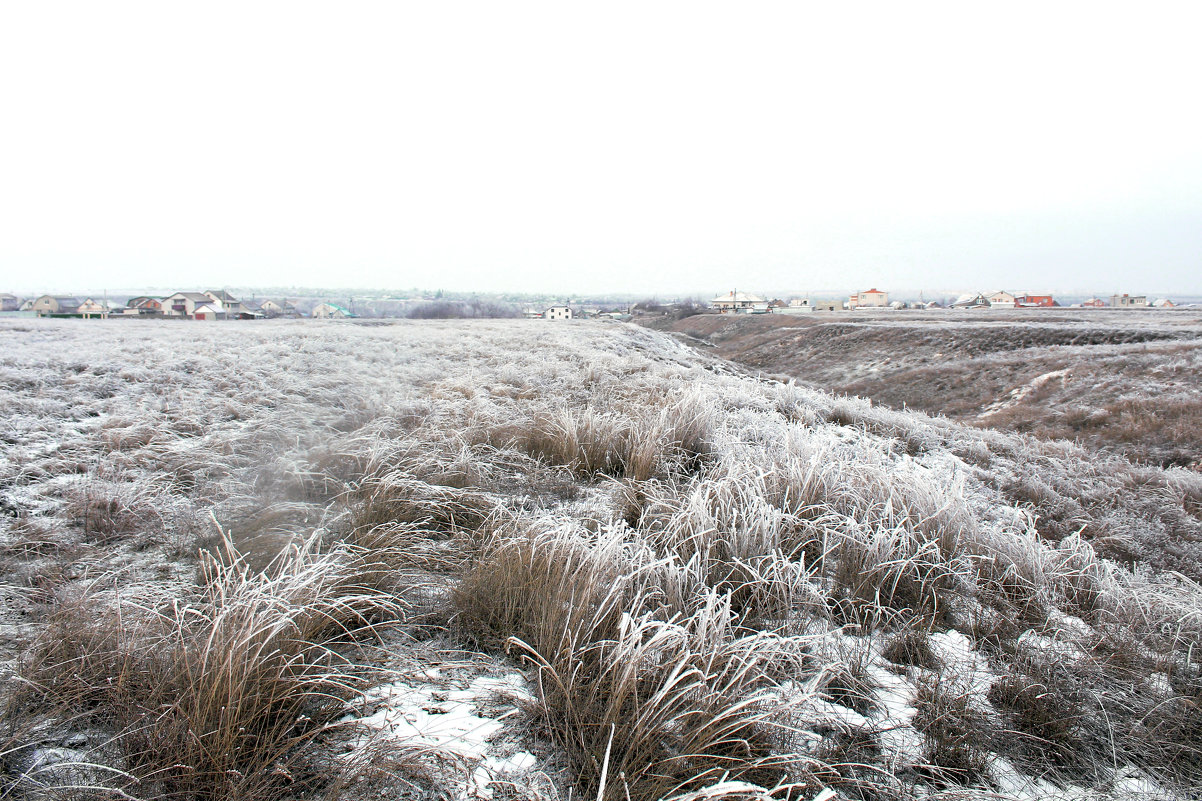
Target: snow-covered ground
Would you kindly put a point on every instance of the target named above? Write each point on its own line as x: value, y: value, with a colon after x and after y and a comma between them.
x: 549, y: 492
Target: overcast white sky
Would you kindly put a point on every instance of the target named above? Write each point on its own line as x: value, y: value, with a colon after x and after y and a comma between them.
x: 626, y: 147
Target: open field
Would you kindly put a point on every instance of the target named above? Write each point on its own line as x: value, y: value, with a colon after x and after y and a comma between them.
x: 1123, y: 382
x: 529, y: 560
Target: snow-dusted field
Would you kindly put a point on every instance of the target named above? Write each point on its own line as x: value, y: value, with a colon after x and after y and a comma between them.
x: 521, y: 559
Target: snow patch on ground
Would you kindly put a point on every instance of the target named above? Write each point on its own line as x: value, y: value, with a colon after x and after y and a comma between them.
x: 955, y: 650
x: 463, y: 724
x: 894, y: 721
x: 1019, y: 394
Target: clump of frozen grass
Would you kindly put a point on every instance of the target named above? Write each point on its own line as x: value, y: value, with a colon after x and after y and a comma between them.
x: 219, y: 697
x: 634, y: 443
x: 912, y: 647
x: 107, y: 511
x: 955, y: 729
x: 638, y: 679
x: 397, y: 496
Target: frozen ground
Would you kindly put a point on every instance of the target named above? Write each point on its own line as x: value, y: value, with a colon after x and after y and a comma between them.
x: 519, y: 559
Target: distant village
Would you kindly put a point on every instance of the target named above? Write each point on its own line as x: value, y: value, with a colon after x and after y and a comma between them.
x: 213, y: 304
x: 209, y: 305
x: 747, y: 303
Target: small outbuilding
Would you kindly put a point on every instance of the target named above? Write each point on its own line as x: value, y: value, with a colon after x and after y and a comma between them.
x: 208, y: 311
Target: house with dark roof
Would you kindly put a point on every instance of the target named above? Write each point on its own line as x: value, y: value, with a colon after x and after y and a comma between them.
x: 55, y: 304
x: 183, y: 304
x: 229, y: 303
x: 143, y: 306
x: 972, y: 301
x: 273, y: 308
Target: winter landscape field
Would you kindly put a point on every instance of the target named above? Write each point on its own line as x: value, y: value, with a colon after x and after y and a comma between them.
x: 1121, y: 382
x: 528, y: 560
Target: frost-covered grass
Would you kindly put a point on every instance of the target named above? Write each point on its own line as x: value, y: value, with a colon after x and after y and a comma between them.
x: 222, y: 542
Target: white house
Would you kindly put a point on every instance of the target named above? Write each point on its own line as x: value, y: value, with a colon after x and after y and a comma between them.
x: 1000, y: 300
x: 183, y: 304
x: 735, y: 301
x: 92, y: 308
x: 558, y: 313
x: 1128, y: 301
x: 228, y: 302
x: 797, y: 306
x: 868, y: 299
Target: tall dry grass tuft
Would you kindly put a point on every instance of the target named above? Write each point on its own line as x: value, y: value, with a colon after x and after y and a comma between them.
x: 638, y: 680
x: 955, y: 730
x: 636, y: 443
x: 220, y: 697
x: 398, y: 496
x: 110, y: 511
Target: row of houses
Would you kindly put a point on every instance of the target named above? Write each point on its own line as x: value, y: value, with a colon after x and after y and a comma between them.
x: 747, y: 303
x: 214, y: 304
x: 1030, y: 300
x: 1002, y: 299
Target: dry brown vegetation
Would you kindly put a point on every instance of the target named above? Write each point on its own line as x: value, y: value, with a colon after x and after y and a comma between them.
x: 1125, y: 383
x: 222, y: 546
